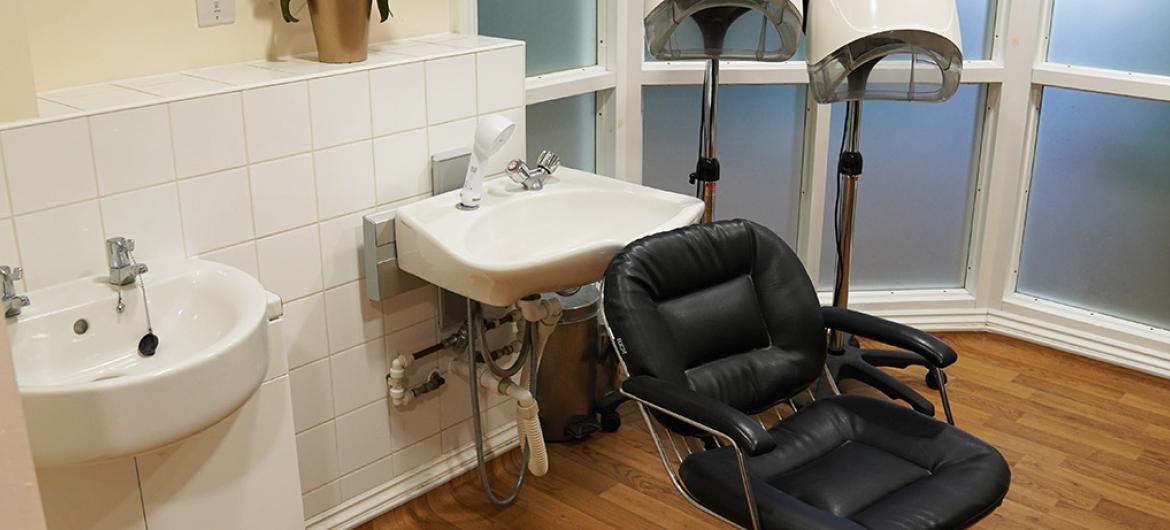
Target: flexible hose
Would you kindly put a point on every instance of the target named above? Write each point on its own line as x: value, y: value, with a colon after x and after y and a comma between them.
x: 473, y: 320
x: 517, y: 363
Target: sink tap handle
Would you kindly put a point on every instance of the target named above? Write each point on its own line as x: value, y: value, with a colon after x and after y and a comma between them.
x: 518, y: 171
x: 11, y: 274
x: 549, y: 160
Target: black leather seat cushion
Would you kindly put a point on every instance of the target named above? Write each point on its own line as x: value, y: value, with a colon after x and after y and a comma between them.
x: 857, y: 462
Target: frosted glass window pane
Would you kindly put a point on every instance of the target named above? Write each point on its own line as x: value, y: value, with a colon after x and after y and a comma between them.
x: 568, y: 127
x: 1097, y: 234
x: 760, y: 141
x: 561, y: 34
x: 1125, y: 35
x: 914, y: 211
x: 977, y: 23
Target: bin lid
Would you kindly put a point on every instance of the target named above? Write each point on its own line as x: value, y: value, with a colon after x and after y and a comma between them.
x: 581, y: 305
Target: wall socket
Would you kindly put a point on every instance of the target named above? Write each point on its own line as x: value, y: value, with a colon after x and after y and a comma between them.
x: 215, y: 12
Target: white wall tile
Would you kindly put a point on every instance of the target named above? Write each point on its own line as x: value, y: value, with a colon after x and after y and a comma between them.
x: 345, y: 179
x: 451, y: 89
x: 208, y: 133
x: 417, y: 455
x: 304, y: 330
x: 5, y: 204
x: 276, y: 119
x: 367, y: 478
x: 290, y: 263
x: 363, y: 436
x: 412, y: 338
x: 92, y: 497
x: 8, y: 253
x: 242, y: 257
x: 500, y: 79
x: 398, y: 95
x: 413, y: 423
x: 132, y: 148
x: 284, y: 194
x: 217, y: 210
x: 100, y: 96
x: 61, y: 244
x: 312, y: 394
x: 454, y: 402
x: 340, y: 109
x: 317, y: 456
x: 322, y: 499
x: 49, y: 165
x: 402, y: 166
x: 410, y: 308
x: 172, y: 85
x: 240, y: 473
x: 352, y: 318
x: 342, y: 245
x: 359, y: 376
x: 453, y: 135
x: 462, y: 435
x: 148, y: 216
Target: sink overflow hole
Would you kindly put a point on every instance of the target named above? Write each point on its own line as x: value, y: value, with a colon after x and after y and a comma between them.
x: 81, y: 326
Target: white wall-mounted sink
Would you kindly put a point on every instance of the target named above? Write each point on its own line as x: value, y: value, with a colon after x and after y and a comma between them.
x: 89, y: 395
x: 520, y: 242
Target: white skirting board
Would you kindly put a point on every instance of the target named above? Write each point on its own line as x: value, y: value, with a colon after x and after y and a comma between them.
x: 378, y: 501
x: 1078, y: 342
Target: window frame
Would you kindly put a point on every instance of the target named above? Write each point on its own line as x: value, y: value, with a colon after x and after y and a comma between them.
x: 1014, y: 78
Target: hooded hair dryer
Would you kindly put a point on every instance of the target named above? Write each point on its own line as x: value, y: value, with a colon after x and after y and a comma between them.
x: 714, y: 30
x: 906, y: 50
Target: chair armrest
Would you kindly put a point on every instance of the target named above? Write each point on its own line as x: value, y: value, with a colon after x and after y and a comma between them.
x: 691, y: 406
x: 935, y: 351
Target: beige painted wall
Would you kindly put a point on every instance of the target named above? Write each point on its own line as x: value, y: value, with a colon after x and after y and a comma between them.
x: 89, y: 41
x: 20, y: 501
x: 17, y: 92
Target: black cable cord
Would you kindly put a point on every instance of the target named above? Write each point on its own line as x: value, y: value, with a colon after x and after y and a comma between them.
x: 837, y: 209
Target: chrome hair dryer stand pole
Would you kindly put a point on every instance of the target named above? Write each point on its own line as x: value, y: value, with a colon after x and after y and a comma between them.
x: 849, y: 168
x: 706, y: 174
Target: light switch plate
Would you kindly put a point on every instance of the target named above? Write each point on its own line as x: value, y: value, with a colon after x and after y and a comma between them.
x: 215, y: 12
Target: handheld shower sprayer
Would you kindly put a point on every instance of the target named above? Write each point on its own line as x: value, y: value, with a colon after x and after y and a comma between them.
x: 491, y: 134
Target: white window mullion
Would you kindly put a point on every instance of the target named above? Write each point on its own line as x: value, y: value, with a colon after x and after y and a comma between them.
x: 993, y: 238
x: 813, y: 200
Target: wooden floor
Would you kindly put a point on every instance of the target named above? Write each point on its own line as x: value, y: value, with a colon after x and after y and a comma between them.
x: 1089, y: 446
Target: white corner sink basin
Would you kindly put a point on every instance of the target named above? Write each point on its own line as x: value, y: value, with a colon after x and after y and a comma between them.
x: 90, y: 396
x: 519, y: 242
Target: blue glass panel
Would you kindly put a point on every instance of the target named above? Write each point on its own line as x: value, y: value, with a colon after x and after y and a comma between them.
x: 561, y: 34
x: 1097, y: 234
x: 914, y: 211
x: 760, y: 141
x: 1125, y: 35
x: 567, y: 127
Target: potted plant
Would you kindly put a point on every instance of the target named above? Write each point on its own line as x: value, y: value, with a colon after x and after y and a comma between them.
x: 341, y: 27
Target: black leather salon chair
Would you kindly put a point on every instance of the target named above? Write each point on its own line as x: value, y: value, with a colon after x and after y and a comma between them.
x: 719, y: 323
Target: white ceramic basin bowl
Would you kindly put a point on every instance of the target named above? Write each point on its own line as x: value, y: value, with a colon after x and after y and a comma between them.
x: 521, y: 242
x: 90, y: 396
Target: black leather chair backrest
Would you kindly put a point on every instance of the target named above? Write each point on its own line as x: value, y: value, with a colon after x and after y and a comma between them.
x: 725, y: 309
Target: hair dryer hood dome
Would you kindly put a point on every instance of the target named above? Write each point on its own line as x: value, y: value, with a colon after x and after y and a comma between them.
x: 752, y: 30
x: 908, y: 50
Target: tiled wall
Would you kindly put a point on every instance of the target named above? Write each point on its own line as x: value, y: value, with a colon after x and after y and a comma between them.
x: 269, y: 168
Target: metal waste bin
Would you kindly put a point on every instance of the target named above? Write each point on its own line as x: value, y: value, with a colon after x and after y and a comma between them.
x: 573, y: 371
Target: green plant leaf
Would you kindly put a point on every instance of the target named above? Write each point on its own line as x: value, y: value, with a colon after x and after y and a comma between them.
x: 286, y: 12
x: 384, y: 9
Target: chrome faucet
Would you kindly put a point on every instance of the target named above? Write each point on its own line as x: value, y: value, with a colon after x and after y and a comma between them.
x: 123, y: 269
x: 533, y: 179
x: 12, y: 301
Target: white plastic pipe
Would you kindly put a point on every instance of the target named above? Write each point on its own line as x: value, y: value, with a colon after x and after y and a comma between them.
x: 527, y: 412
x: 399, y: 395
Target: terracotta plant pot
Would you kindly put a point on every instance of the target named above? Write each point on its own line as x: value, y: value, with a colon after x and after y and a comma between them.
x: 341, y: 28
